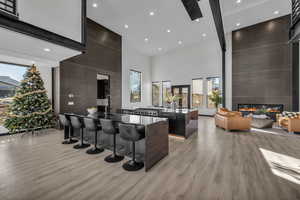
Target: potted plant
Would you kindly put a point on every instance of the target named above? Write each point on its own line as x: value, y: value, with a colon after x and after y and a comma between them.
x: 172, y: 99
x: 216, y: 98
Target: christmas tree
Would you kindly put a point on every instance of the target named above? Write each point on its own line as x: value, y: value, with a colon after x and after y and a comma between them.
x: 31, y: 108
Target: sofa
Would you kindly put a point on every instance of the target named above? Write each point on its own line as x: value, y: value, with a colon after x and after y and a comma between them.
x: 230, y: 120
x: 289, y: 121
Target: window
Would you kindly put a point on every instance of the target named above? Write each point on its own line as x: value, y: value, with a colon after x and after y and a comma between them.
x: 160, y: 92
x: 213, y: 83
x: 166, y: 92
x: 156, y: 93
x: 10, y: 79
x: 8, y: 6
x: 135, y: 86
x: 198, y: 94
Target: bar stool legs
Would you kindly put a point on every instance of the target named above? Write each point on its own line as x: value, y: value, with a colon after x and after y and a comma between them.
x: 132, y: 165
x: 82, y: 145
x: 113, y: 158
x: 95, y: 149
x: 70, y: 141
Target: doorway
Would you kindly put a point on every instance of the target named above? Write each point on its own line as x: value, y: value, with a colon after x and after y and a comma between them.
x: 184, y: 92
x: 103, y: 93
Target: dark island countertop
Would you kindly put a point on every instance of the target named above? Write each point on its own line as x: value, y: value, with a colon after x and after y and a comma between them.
x: 182, y: 122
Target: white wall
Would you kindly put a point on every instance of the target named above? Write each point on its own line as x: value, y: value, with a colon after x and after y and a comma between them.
x: 61, y: 17
x: 182, y: 65
x: 228, y: 66
x: 132, y: 59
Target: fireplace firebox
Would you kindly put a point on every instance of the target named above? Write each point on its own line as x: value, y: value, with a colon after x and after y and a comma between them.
x: 268, y: 109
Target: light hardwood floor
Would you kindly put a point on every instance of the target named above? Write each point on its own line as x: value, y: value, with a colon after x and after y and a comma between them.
x: 212, y: 164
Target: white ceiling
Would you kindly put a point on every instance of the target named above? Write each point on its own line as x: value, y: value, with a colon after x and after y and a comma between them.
x: 31, y: 50
x: 170, y: 14
x: 250, y: 12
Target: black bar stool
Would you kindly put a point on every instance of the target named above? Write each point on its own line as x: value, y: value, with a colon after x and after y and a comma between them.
x: 66, y: 123
x: 108, y: 128
x: 91, y: 125
x: 132, y: 133
x: 77, y: 124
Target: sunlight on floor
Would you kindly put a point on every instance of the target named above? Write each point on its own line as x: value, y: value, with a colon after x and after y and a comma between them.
x: 283, y: 166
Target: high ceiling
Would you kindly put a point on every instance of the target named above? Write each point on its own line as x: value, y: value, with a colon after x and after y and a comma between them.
x: 140, y: 24
x: 249, y: 12
x: 168, y: 14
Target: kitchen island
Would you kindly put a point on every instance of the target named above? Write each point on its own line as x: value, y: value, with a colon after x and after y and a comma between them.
x: 150, y: 150
x: 182, y: 122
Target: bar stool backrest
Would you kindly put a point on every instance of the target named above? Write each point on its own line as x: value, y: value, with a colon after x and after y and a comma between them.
x: 90, y: 124
x: 63, y: 120
x: 75, y: 122
x: 129, y: 132
x: 107, y: 126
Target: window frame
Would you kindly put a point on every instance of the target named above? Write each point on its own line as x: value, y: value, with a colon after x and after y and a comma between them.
x: 207, y: 94
x: 203, y: 91
x: 160, y: 92
x: 140, y: 86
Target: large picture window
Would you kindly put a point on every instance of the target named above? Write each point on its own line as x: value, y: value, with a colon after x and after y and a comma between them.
x: 213, y: 83
x: 10, y: 79
x: 198, y: 94
x: 135, y: 86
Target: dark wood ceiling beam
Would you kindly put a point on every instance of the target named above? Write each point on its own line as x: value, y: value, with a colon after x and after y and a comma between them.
x: 217, y: 14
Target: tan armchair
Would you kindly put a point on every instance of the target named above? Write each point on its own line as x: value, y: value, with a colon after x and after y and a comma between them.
x: 291, y: 123
x: 230, y: 120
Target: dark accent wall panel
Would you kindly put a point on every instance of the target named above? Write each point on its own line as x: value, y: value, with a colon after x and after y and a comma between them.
x: 261, y: 64
x: 78, y: 75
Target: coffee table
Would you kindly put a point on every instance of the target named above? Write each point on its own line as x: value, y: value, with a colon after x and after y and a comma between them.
x: 261, y: 123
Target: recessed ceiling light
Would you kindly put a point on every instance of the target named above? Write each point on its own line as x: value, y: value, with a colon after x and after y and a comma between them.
x: 238, y: 24
x: 168, y: 31
x: 159, y: 49
x: 32, y: 62
x: 197, y: 20
x: 151, y: 13
x: 180, y: 42
x: 146, y: 39
x: 203, y: 34
x: 238, y: 1
x: 47, y: 49
x: 95, y: 5
x: 126, y: 26
x: 276, y: 12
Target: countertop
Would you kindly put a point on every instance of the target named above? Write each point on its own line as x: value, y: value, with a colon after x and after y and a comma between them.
x: 125, y: 118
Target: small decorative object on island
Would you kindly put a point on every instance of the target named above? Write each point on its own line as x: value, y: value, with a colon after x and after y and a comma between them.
x: 92, y: 110
x: 172, y: 100
x: 30, y: 108
x: 216, y: 98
